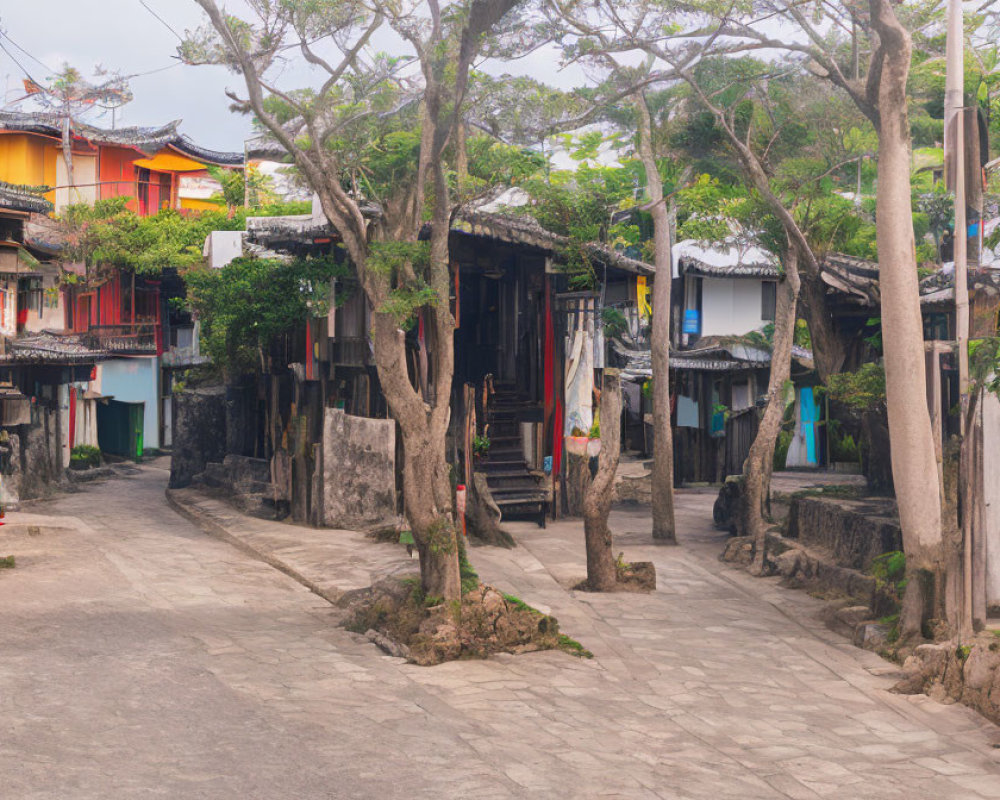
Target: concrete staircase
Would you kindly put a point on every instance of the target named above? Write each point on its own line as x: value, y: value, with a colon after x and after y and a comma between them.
x: 517, y: 491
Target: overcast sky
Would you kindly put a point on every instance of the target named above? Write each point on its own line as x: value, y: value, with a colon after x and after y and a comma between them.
x: 122, y: 35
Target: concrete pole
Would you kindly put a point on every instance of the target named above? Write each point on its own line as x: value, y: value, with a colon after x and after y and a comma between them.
x: 954, y: 126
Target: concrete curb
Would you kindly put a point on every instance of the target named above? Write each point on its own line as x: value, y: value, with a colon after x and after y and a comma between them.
x: 210, y: 524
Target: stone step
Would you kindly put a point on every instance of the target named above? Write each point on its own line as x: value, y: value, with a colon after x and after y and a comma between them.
x: 245, y: 469
x: 524, y: 480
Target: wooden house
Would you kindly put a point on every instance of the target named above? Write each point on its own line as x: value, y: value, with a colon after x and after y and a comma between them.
x: 40, y: 410
x: 155, y: 167
x: 114, y: 312
x: 518, y: 325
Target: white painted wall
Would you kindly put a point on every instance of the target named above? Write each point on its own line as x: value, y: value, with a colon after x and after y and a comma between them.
x: 730, y: 306
x: 84, y: 188
x: 8, y: 305
x: 53, y: 315
x: 221, y: 247
x: 991, y: 481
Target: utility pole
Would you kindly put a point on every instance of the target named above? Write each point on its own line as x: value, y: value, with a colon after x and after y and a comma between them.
x: 954, y: 143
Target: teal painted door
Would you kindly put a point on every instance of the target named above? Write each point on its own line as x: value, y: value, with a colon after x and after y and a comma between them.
x: 120, y: 428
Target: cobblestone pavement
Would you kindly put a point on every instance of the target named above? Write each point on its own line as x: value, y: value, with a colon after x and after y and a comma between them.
x: 141, y: 658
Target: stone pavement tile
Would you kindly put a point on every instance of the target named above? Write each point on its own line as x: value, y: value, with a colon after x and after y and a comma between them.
x: 717, y: 685
x: 983, y: 785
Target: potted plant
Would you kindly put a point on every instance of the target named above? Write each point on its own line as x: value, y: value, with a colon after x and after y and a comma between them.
x: 480, y: 447
x: 84, y: 456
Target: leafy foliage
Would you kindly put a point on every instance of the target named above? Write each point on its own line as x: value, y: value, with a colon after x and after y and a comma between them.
x: 251, y: 301
x: 580, y: 205
x: 860, y: 391
x: 235, y: 183
x: 85, y: 455
x: 984, y: 363
x: 109, y: 235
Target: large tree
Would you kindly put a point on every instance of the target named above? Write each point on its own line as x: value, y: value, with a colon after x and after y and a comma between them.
x: 371, y: 141
x: 882, y: 34
x: 609, y: 36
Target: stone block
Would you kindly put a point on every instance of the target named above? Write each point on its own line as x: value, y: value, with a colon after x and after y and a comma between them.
x: 871, y: 635
x: 980, y: 667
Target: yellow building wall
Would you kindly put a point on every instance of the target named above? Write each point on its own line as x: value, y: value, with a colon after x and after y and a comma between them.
x: 168, y: 161
x: 22, y: 159
x: 28, y: 160
x: 194, y: 204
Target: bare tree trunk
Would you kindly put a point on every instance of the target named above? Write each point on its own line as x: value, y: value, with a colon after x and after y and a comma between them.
x: 758, y: 466
x: 829, y: 346
x: 602, y: 575
x: 664, y: 529
x: 67, y: 154
x: 425, y: 485
x: 914, y: 464
x: 461, y: 158
x: 423, y: 422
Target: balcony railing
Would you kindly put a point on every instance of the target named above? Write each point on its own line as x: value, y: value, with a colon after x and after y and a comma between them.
x: 140, y: 337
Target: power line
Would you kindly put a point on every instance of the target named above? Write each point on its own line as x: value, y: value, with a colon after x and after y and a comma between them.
x: 154, y: 71
x: 5, y: 35
x: 162, y: 20
x: 23, y: 69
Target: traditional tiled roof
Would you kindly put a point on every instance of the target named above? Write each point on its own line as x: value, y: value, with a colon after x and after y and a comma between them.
x: 854, y: 276
x: 728, y: 259
x: 184, y: 145
x: 732, y: 357
x: 296, y: 228
x: 525, y: 230
x: 858, y: 278
x: 22, y: 198
x: 513, y: 229
x: 148, y: 140
x: 49, y: 348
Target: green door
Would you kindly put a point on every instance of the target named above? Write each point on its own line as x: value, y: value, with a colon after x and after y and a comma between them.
x: 135, y: 419
x: 120, y: 428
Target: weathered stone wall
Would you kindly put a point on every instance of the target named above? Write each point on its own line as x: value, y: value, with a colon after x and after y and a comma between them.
x: 240, y: 419
x: 32, y: 458
x: 359, y: 470
x: 854, y: 532
x: 970, y: 675
x: 199, y: 433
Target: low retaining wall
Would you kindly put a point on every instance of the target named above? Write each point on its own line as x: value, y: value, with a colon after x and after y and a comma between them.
x: 359, y: 471
x: 853, y: 532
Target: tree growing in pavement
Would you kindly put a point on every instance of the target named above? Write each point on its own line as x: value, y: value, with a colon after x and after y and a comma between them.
x: 883, y: 36
x: 371, y: 140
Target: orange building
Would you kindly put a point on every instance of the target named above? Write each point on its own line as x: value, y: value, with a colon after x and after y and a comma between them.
x: 155, y: 167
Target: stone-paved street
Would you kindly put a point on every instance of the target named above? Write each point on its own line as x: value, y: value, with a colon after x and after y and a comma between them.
x: 140, y: 657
